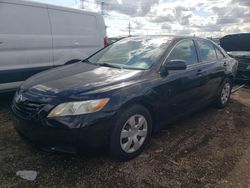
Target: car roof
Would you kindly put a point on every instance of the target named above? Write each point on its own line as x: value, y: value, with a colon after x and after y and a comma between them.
x: 170, y: 37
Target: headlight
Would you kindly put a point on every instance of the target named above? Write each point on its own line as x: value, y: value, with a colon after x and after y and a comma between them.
x: 78, y: 108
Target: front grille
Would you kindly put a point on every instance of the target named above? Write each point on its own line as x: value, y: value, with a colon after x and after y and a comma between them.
x: 243, y: 63
x: 26, y: 109
x: 242, y: 66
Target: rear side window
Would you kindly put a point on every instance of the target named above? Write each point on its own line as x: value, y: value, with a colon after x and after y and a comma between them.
x: 186, y: 51
x: 207, y: 50
x: 23, y: 20
x: 219, y: 54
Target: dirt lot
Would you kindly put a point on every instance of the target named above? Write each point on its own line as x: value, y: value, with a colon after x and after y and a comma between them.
x: 208, y: 149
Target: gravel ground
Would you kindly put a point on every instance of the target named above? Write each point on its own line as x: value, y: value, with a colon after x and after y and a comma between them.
x: 208, y: 149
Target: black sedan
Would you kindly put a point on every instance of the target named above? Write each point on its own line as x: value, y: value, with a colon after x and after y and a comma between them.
x: 122, y: 94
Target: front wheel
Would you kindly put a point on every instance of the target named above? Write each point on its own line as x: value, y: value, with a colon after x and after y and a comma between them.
x: 224, y: 93
x: 131, y: 133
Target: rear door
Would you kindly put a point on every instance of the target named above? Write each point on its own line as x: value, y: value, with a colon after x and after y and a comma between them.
x: 25, y: 43
x: 212, y: 66
x: 180, y: 89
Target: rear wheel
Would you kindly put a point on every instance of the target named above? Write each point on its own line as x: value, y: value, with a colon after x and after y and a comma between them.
x: 224, y: 93
x: 131, y: 133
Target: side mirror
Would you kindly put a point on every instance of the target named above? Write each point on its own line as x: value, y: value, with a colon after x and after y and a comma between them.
x: 175, y: 65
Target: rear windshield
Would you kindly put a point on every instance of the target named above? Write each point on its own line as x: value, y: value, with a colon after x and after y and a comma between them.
x: 132, y: 53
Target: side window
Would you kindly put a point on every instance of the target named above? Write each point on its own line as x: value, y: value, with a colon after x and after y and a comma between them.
x: 186, y: 51
x: 207, y: 50
x: 219, y: 54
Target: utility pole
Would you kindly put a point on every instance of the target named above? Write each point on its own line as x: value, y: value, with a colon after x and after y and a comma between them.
x: 129, y: 29
x: 102, y: 8
x: 81, y: 4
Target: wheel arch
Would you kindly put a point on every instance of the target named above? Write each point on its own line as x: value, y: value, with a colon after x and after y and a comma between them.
x: 142, y: 101
x: 230, y: 77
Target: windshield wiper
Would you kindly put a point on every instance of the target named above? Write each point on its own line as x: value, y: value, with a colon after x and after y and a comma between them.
x: 109, y: 65
x: 86, y: 61
x: 89, y: 62
x: 101, y: 64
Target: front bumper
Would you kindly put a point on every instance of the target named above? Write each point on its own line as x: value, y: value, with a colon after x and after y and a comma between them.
x: 243, y: 72
x: 243, y: 75
x: 53, y: 135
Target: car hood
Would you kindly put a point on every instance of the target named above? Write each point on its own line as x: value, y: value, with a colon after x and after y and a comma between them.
x: 236, y: 42
x: 79, y: 79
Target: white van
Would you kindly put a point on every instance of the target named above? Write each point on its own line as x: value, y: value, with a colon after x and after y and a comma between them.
x: 35, y: 37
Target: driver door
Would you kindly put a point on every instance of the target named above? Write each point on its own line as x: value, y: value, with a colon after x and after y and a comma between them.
x: 181, y: 88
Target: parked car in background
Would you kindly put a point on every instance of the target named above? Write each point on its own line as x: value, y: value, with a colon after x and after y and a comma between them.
x: 238, y: 46
x: 123, y: 93
x: 35, y: 37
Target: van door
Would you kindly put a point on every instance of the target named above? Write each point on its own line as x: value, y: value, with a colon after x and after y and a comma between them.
x: 25, y: 43
x: 75, y: 35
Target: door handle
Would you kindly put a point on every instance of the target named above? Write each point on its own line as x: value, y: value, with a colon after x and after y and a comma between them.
x: 1, y: 42
x: 199, y: 72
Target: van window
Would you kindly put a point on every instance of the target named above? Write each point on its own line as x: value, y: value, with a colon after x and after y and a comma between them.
x: 23, y: 20
x: 207, y: 50
x: 186, y: 51
x: 70, y: 23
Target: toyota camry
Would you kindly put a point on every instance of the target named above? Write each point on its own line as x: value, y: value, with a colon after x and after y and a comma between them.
x: 122, y: 94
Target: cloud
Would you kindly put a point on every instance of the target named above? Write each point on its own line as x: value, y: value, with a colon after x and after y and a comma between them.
x: 179, y: 14
x: 189, y: 16
x: 184, y: 20
x: 230, y: 15
x: 225, y: 20
x: 166, y: 27
x: 129, y: 7
x: 185, y: 32
x: 137, y: 25
x: 160, y: 19
x: 241, y: 2
x: 210, y: 27
x: 145, y: 6
x: 204, y: 18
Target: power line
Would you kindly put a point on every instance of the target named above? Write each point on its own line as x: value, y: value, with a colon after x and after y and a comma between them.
x: 81, y: 4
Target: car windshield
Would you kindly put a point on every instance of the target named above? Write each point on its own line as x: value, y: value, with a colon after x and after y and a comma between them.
x: 135, y: 53
x: 239, y: 53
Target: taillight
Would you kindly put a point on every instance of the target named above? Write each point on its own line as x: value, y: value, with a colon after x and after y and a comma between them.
x: 105, y: 42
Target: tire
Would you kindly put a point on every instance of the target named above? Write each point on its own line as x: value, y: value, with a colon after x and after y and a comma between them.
x: 224, y: 94
x: 129, y: 138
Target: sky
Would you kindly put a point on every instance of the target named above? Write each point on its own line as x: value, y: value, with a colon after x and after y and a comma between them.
x: 207, y: 18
